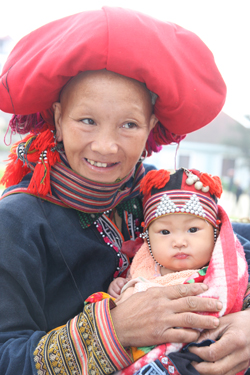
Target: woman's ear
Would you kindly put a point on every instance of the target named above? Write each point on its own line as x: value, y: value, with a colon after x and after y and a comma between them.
x: 153, y: 121
x: 58, y: 120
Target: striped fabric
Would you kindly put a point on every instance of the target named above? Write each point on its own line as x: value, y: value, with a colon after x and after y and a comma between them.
x: 90, y: 196
x: 86, y: 345
x: 69, y: 189
x: 180, y: 198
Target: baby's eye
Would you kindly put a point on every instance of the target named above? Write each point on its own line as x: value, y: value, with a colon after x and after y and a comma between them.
x: 88, y: 121
x: 193, y: 230
x: 164, y: 232
x: 129, y: 125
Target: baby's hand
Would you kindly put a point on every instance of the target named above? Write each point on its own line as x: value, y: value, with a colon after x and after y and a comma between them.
x: 116, y: 286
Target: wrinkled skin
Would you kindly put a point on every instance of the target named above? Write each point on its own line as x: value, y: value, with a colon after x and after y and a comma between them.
x: 231, y: 352
x: 149, y: 318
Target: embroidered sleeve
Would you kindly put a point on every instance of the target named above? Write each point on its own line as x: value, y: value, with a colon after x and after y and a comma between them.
x: 87, y: 344
x: 246, y: 301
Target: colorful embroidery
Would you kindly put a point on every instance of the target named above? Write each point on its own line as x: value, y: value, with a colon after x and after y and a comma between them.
x: 87, y: 344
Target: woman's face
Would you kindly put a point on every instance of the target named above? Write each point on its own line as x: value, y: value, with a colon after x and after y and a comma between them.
x: 104, y: 120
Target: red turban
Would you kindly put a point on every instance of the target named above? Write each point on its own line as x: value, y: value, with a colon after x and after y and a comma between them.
x: 173, y: 62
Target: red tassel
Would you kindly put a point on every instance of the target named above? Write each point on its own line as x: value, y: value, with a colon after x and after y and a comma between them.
x: 35, y: 185
x: 14, y: 171
x: 40, y: 181
x: 154, y: 178
x: 39, y: 152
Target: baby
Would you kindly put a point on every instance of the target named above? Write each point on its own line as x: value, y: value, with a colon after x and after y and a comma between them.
x: 180, y: 230
x: 187, y: 238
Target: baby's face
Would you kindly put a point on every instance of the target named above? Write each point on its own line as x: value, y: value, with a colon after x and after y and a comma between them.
x: 181, y: 241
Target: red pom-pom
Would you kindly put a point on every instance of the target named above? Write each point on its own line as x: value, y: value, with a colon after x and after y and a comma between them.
x: 214, y: 183
x: 157, y: 179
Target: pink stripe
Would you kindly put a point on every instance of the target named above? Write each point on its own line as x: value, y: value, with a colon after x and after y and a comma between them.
x: 115, y: 351
x: 230, y: 259
x: 78, y: 345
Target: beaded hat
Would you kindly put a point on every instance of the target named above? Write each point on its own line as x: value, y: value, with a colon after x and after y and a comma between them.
x: 184, y: 192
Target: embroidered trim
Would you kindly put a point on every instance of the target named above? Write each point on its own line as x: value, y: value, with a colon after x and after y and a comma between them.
x: 111, y: 234
x: 113, y: 238
x: 133, y: 206
x: 86, y: 345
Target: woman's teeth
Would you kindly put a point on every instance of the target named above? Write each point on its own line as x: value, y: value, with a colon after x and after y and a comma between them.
x: 97, y: 163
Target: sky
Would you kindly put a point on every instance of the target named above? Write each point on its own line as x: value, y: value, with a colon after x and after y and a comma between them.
x: 223, y: 25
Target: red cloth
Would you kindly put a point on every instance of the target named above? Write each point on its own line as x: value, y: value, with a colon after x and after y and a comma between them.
x: 173, y: 62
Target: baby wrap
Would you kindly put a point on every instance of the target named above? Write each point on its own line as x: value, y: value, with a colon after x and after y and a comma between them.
x: 226, y: 277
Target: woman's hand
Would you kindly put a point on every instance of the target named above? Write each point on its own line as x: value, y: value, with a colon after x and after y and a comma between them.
x: 150, y: 318
x: 231, y: 353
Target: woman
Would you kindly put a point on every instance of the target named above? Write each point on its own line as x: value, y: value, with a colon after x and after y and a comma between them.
x: 84, y: 81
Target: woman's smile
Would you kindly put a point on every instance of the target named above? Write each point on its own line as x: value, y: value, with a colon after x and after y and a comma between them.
x: 104, y: 120
x: 100, y: 164
x: 102, y: 168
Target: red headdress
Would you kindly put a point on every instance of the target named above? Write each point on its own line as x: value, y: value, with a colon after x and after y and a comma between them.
x: 173, y: 63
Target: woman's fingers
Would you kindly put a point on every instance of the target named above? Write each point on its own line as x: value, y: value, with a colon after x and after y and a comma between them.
x: 220, y: 367
x: 183, y: 290
x: 191, y: 320
x: 148, y: 318
x: 231, y: 352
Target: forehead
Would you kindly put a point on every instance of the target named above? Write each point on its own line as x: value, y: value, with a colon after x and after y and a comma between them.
x: 180, y: 219
x: 92, y: 83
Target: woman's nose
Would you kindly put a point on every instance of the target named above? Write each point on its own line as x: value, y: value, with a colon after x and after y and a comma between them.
x: 104, y: 143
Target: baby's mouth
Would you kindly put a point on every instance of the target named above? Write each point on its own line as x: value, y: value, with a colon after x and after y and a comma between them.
x: 99, y: 164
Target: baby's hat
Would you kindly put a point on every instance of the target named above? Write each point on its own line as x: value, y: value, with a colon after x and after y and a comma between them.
x: 182, y: 191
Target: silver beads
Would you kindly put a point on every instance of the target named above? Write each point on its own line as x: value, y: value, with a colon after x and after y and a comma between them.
x: 191, y: 206
x: 193, y: 179
x: 166, y: 206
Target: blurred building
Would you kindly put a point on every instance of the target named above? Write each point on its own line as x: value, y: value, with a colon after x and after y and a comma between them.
x: 220, y: 148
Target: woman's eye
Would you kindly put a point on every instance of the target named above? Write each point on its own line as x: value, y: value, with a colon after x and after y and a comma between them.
x: 164, y: 232
x: 193, y: 230
x: 88, y: 121
x: 130, y: 125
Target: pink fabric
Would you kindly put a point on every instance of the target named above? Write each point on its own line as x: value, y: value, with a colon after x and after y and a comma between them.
x: 227, y: 278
